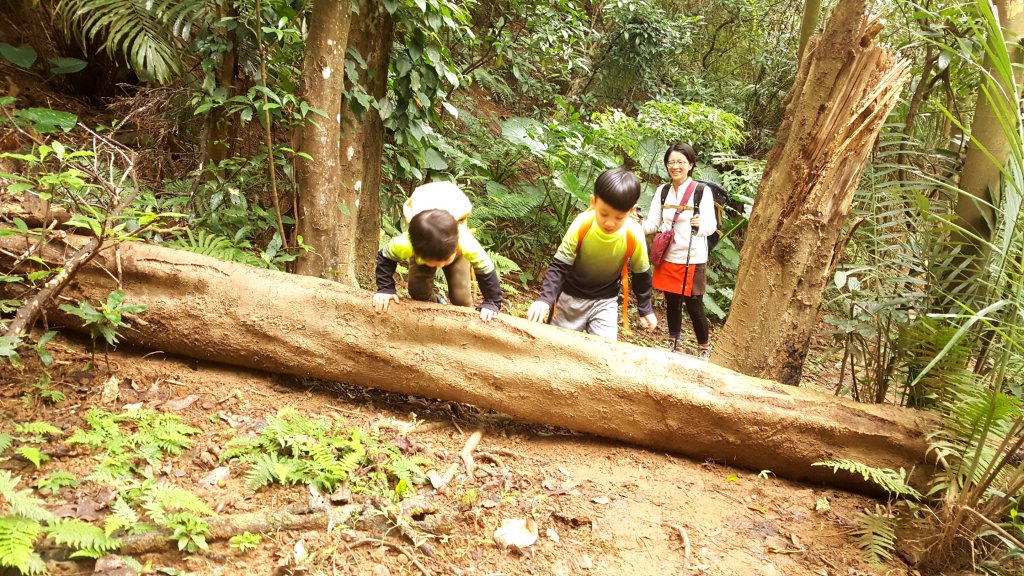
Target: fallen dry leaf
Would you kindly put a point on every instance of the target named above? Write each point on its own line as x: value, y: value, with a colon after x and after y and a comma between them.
x: 179, y: 404
x: 516, y: 533
x: 111, y: 388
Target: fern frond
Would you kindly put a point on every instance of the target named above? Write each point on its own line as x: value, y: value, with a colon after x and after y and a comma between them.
x: 163, y: 499
x: 87, y: 540
x: 876, y: 536
x: 5, y: 442
x: 892, y: 481
x: 17, y: 545
x: 238, y: 448
x: 57, y: 479
x: 38, y: 429
x: 262, y: 472
x: 21, y: 502
x: 165, y: 432
x: 121, y: 518
x: 32, y: 454
x: 113, y: 468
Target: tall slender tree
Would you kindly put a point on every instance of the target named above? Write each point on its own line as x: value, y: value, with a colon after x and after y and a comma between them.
x: 989, y: 148
x: 370, y: 37
x: 327, y: 208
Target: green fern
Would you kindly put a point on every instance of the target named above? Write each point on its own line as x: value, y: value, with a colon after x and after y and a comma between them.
x: 104, y: 427
x: 37, y: 431
x: 87, y: 540
x: 32, y: 454
x: 160, y: 500
x: 21, y: 502
x: 57, y: 480
x: 262, y: 471
x: 887, y: 479
x: 5, y: 442
x: 215, y: 246
x: 876, y: 536
x: 17, y: 545
x: 165, y: 432
x: 122, y: 517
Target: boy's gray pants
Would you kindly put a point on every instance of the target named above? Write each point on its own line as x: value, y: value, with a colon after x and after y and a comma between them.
x: 598, y: 317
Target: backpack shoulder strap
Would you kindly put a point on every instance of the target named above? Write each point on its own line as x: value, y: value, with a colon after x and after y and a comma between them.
x: 698, y: 195
x: 664, y: 192
x: 581, y: 233
x: 630, y: 246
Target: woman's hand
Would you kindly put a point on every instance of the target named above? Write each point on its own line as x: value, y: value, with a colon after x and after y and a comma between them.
x: 695, y: 221
x: 650, y: 321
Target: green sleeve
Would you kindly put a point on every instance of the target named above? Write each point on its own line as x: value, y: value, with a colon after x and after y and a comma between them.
x: 399, y: 248
x: 474, y: 252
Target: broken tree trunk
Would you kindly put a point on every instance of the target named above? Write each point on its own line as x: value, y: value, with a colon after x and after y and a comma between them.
x: 843, y: 92
x: 305, y: 326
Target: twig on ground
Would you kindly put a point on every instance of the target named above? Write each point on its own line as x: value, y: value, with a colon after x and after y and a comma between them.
x: 686, y: 543
x: 402, y: 549
x: 467, y: 451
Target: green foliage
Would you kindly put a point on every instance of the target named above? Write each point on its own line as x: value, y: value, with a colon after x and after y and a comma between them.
x: 893, y: 482
x: 876, y: 536
x: 87, y: 540
x: 17, y: 545
x: 710, y: 130
x: 189, y: 531
x: 107, y: 320
x: 146, y: 34
x: 292, y: 449
x: 155, y: 436
x: 57, y: 480
x: 245, y: 541
x: 21, y: 503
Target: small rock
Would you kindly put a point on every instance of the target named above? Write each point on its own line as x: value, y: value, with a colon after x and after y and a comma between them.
x: 215, y: 477
x: 585, y: 562
x: 380, y: 570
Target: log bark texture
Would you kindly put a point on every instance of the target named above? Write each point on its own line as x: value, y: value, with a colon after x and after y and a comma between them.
x: 305, y: 326
x: 843, y: 92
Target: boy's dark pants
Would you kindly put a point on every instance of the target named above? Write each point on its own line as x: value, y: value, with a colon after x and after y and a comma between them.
x: 421, y: 282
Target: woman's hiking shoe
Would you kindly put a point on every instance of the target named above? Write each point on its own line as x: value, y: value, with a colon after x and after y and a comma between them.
x: 704, y: 353
x: 674, y: 346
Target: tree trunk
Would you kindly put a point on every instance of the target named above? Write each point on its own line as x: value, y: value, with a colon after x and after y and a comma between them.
x: 222, y: 133
x: 327, y: 208
x: 844, y: 90
x: 309, y: 327
x: 987, y: 152
x: 371, y: 35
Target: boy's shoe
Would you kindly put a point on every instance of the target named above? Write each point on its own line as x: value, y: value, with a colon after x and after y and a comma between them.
x: 439, y: 299
x: 704, y: 353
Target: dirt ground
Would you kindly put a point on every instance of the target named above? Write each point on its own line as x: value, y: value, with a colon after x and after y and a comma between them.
x: 600, y: 507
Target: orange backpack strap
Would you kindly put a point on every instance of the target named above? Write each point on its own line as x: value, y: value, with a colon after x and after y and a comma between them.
x: 581, y: 233
x: 630, y: 249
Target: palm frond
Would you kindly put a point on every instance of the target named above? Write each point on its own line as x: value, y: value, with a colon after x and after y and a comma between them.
x: 141, y: 31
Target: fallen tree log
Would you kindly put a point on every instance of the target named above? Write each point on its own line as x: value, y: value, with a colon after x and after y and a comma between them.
x: 235, y: 314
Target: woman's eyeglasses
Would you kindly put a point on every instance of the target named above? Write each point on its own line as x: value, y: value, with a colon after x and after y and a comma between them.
x: 678, y: 163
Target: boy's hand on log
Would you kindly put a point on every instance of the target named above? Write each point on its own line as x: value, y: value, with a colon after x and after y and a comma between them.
x: 382, y: 300
x: 650, y: 321
x: 538, y: 312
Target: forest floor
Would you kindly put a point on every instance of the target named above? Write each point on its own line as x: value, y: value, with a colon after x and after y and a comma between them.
x: 600, y: 507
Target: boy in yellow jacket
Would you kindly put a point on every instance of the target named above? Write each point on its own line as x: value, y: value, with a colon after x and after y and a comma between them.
x: 437, y: 237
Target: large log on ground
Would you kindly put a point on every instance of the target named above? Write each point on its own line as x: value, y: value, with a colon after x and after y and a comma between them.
x: 225, y: 312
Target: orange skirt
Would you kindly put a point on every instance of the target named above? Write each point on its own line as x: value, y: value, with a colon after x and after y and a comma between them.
x: 680, y: 278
